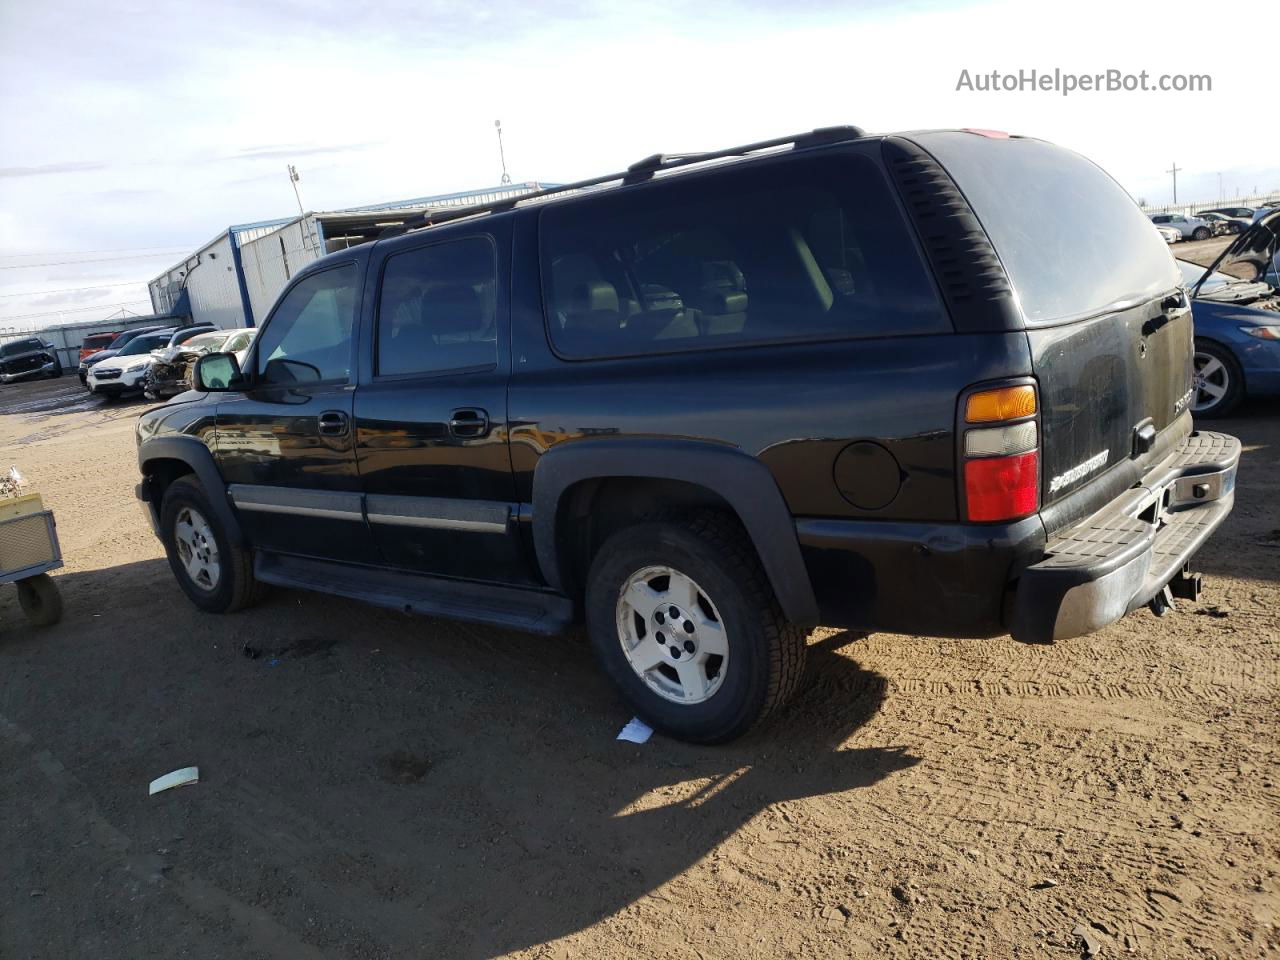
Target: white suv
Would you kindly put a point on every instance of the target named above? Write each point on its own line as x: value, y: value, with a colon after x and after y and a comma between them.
x: 126, y: 371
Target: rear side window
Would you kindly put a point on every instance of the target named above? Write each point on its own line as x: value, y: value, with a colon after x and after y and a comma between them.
x: 437, y: 310
x: 1073, y: 242
x: 806, y: 250
x: 308, y: 338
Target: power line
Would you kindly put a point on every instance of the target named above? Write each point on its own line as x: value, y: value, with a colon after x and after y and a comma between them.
x: 100, y: 286
x: 67, y: 253
x: 62, y: 263
x: 54, y: 313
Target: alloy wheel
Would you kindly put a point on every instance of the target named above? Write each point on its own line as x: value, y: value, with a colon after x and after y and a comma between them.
x: 672, y: 635
x: 197, y: 548
x: 1211, y: 382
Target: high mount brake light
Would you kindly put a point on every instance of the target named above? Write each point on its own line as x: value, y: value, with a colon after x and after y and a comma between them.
x: 1002, y: 460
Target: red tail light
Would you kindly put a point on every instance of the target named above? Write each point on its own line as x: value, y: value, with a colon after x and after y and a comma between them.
x: 1002, y: 488
x: 1002, y: 456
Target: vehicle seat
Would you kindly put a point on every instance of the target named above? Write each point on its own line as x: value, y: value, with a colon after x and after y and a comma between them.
x: 722, y: 298
x: 459, y: 325
x: 723, y: 312
x: 593, y: 309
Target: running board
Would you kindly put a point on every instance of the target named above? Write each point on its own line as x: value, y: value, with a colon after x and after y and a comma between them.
x: 498, y: 606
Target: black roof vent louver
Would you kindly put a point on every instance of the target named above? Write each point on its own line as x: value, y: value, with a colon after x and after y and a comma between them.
x: 973, y: 280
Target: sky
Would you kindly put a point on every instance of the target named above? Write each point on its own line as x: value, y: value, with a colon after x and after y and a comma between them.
x: 136, y: 132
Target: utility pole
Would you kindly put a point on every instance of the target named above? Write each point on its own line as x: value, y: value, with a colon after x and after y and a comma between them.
x: 502, y: 156
x: 293, y: 179
x: 1174, y: 170
x: 1219, y: 187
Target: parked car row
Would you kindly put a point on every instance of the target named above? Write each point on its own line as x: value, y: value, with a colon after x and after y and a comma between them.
x: 154, y: 361
x: 1216, y: 222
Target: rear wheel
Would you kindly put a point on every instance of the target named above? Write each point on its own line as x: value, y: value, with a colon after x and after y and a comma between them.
x: 685, y: 623
x: 40, y: 600
x: 1218, y: 381
x: 1201, y: 233
x: 214, y: 574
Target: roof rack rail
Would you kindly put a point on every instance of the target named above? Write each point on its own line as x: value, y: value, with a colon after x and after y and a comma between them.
x: 638, y: 172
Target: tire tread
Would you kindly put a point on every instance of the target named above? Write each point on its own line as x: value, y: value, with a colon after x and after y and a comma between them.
x: 786, y: 641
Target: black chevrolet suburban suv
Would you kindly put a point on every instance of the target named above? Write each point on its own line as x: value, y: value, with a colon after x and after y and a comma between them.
x: 931, y: 383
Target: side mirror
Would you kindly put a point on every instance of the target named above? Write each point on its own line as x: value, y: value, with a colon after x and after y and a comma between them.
x: 217, y: 372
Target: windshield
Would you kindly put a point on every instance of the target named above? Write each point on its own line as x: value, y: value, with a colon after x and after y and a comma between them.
x: 19, y: 346
x: 121, y: 340
x: 144, y: 344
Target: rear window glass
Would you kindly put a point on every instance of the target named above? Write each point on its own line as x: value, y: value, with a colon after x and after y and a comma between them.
x: 810, y: 249
x: 1073, y: 242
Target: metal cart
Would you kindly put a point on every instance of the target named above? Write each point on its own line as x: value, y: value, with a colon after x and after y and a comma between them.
x: 28, y: 551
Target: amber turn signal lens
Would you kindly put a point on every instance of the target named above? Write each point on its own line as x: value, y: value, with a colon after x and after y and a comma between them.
x: 1007, y: 403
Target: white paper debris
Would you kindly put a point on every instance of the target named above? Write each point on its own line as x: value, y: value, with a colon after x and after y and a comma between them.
x: 179, y: 778
x: 636, y: 731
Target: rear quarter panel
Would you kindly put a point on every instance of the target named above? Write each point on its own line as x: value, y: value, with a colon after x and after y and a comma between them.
x: 795, y: 406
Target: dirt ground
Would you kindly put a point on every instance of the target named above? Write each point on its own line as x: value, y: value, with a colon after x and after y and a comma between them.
x: 375, y: 785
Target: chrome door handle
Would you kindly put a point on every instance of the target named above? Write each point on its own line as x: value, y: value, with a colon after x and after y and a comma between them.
x: 332, y: 423
x: 469, y: 423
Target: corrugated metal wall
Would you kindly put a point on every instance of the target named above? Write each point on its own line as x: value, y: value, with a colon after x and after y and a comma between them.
x: 215, y: 288
x: 270, y: 260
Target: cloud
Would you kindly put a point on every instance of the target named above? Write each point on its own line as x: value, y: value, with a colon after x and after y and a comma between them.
x: 49, y: 169
x: 289, y: 151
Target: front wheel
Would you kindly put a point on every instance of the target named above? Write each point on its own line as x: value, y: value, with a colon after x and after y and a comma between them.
x: 1218, y: 381
x: 1201, y: 233
x: 40, y: 600
x: 685, y: 623
x: 215, y: 575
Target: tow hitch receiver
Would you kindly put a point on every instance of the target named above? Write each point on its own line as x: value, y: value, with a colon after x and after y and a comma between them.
x: 1185, y: 586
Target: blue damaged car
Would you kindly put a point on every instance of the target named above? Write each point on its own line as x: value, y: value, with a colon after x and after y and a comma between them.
x: 1236, y: 308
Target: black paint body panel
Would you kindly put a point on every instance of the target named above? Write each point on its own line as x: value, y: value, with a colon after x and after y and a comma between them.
x: 840, y: 457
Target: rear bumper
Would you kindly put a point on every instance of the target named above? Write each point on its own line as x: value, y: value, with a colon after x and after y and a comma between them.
x: 1117, y: 560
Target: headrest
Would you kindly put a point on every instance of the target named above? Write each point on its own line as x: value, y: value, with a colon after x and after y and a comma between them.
x: 593, y: 296
x: 453, y: 308
x: 724, y: 301
x: 723, y: 274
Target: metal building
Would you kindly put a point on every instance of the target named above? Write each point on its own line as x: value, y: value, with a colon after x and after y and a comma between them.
x: 234, y: 279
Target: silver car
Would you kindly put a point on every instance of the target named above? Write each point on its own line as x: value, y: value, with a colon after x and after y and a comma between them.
x: 1191, y: 228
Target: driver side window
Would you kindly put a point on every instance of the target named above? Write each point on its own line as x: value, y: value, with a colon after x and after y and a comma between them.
x: 308, y: 339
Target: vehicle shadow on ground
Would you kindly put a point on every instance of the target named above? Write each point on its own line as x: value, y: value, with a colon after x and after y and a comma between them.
x: 427, y: 788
